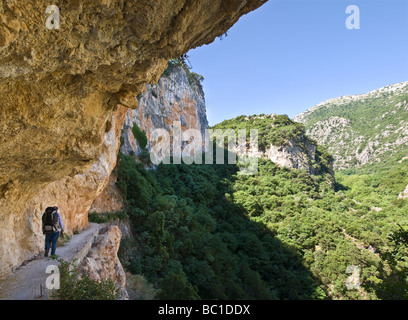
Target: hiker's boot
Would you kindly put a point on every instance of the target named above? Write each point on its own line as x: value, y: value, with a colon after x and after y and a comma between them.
x: 46, y: 253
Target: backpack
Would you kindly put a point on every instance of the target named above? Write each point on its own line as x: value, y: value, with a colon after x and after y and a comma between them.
x: 50, y: 220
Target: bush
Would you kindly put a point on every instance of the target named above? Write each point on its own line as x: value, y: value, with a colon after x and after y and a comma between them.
x: 139, y: 135
x: 107, y: 216
x: 139, y: 288
x: 74, y: 286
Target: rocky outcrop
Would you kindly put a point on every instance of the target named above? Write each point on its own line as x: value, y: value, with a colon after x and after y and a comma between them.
x: 404, y: 194
x: 293, y: 156
x: 294, y: 150
x: 173, y: 98
x: 333, y: 133
x: 62, y: 93
x: 102, y: 262
x: 110, y: 199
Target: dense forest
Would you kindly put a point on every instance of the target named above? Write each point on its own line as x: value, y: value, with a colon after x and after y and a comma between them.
x: 205, y: 232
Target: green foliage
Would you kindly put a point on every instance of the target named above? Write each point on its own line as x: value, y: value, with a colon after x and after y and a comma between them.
x: 106, y: 216
x: 74, y: 286
x: 205, y: 232
x: 377, y: 217
x: 279, y: 130
x: 375, y: 121
x: 139, y: 135
x: 139, y: 288
x: 175, y: 286
x: 190, y: 238
x: 274, y: 129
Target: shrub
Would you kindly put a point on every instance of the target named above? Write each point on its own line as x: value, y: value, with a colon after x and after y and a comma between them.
x: 139, y: 135
x: 74, y: 286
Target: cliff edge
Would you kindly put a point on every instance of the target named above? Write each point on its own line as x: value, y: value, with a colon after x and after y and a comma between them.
x: 64, y: 96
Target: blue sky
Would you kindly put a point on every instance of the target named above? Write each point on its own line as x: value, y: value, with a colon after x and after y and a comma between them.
x: 289, y: 55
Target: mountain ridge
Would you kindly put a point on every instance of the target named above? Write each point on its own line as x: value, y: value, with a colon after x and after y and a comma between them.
x: 369, y: 128
x: 343, y: 99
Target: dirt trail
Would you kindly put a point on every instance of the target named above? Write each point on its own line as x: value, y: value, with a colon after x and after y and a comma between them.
x: 28, y: 281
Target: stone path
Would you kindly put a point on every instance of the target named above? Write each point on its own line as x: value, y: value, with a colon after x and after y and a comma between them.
x: 28, y: 281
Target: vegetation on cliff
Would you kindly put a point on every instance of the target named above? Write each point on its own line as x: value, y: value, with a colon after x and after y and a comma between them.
x: 75, y: 285
x: 272, y: 129
x: 279, y: 130
x: 193, y: 235
x: 194, y: 78
x: 280, y: 234
x: 366, y: 129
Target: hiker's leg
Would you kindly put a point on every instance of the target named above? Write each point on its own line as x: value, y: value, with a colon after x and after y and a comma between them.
x: 54, y: 242
x: 48, y: 237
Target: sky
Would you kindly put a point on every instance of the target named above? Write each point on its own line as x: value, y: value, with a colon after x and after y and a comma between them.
x: 290, y: 55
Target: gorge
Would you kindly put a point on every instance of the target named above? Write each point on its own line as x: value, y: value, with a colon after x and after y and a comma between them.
x: 322, y: 217
x: 65, y: 93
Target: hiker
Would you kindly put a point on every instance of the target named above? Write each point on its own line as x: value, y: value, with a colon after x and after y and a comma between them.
x: 52, y: 225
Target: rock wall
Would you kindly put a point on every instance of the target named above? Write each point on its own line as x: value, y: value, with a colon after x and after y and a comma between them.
x: 293, y: 156
x: 73, y: 195
x: 110, y: 199
x: 173, y: 98
x: 61, y: 91
x: 102, y: 262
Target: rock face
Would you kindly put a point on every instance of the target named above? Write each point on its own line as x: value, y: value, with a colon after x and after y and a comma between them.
x: 280, y: 140
x: 102, y: 262
x: 361, y: 129
x: 110, y: 199
x: 293, y: 156
x: 63, y: 93
x: 73, y: 195
x: 173, y: 98
x: 404, y: 194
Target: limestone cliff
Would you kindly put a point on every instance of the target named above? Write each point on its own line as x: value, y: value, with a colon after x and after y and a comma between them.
x: 110, y: 199
x: 102, y: 262
x: 282, y: 141
x: 63, y: 92
x: 174, y: 98
x: 293, y: 155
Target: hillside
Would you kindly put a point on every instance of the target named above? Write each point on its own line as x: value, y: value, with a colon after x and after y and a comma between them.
x: 283, y: 141
x: 206, y: 232
x: 371, y: 128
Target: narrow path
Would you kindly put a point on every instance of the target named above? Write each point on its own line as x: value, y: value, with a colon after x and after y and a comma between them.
x: 28, y: 281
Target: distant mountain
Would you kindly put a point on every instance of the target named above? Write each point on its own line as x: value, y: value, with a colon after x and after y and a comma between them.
x: 362, y: 129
